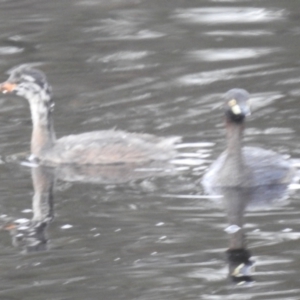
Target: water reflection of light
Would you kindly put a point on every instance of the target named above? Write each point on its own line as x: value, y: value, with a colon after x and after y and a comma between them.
x: 10, y: 50
x: 229, y: 54
x: 235, y: 33
x: 122, y: 55
x: 208, y: 77
x: 217, y: 15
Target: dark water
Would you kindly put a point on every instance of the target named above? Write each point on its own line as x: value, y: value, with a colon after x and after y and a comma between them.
x: 156, y: 67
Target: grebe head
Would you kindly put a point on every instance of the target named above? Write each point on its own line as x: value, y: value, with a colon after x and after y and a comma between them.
x: 28, y: 83
x: 236, y: 105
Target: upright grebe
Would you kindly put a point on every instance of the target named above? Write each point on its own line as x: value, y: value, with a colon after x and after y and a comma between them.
x: 241, y: 166
x: 98, y: 147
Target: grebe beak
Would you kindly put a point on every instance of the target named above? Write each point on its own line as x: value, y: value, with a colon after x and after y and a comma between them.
x: 7, y: 87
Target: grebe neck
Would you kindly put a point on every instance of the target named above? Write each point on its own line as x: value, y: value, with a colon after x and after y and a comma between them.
x: 43, y: 135
x: 234, y: 145
x: 234, y: 139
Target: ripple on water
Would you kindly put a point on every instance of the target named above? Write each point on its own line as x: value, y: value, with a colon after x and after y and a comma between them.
x: 226, y: 15
x: 123, y: 61
x: 139, y: 35
x: 119, y: 56
x: 208, y: 77
x: 239, y: 33
x: 121, y: 29
x: 240, y: 72
x: 229, y: 54
x: 10, y: 50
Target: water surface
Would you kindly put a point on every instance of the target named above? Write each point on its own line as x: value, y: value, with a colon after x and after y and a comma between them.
x: 157, y: 67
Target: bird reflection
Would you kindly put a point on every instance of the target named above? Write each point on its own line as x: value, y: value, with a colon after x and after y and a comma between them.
x: 30, y: 235
x: 114, y: 174
x: 236, y: 201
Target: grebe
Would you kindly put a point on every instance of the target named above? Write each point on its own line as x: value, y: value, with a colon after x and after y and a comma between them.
x: 241, y: 166
x: 98, y: 147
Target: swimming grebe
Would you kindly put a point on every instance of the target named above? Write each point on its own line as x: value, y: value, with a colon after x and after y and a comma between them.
x: 98, y: 147
x: 241, y: 166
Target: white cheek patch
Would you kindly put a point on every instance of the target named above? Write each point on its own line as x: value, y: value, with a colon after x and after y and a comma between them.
x: 236, y: 109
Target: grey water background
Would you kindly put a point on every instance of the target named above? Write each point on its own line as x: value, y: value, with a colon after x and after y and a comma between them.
x: 157, y: 67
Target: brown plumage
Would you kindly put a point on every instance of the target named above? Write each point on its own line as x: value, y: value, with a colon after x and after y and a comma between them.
x: 97, y: 147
